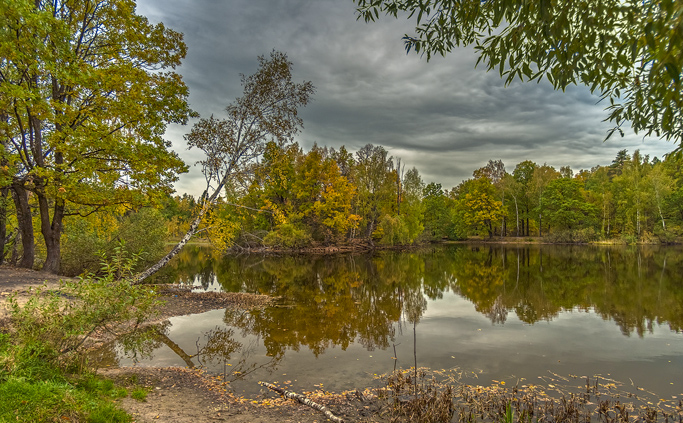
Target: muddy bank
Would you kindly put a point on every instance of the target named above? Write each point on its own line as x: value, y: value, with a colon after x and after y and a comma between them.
x: 189, y: 395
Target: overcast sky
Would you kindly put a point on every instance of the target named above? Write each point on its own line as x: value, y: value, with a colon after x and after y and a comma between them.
x: 443, y: 117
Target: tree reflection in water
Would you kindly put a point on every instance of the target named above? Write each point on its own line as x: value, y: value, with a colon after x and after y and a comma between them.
x: 217, y: 346
x: 336, y: 301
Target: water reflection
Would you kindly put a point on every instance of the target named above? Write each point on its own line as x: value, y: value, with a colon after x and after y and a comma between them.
x: 335, y: 300
x: 349, y: 315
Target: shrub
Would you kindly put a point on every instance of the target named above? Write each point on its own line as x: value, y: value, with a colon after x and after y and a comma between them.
x: 85, y: 241
x: 287, y: 235
x: 394, y: 231
x: 54, y: 325
x: 572, y: 236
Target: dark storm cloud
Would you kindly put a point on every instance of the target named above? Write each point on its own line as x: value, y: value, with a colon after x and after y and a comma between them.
x: 443, y: 117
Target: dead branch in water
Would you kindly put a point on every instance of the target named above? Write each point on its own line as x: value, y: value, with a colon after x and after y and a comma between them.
x: 302, y: 399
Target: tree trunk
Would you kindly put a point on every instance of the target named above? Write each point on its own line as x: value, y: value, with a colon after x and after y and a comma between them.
x: 52, y: 231
x: 302, y: 399
x: 516, y: 217
x: 3, y: 220
x: 190, y: 232
x: 25, y: 223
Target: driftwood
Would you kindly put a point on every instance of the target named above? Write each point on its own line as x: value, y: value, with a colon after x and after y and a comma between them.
x: 302, y: 399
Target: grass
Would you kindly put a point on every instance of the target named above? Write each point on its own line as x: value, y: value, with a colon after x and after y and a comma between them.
x: 139, y: 394
x: 35, y: 390
x: 39, y: 400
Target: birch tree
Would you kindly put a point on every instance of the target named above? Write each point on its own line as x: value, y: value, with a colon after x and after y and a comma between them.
x: 267, y: 110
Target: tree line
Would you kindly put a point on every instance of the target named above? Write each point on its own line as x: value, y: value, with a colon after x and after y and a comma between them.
x: 331, y: 197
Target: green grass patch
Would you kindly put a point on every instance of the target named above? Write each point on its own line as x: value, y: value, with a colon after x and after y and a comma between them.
x: 139, y: 394
x: 36, y: 400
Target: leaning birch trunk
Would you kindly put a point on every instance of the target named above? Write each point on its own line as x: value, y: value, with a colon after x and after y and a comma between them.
x: 161, y: 263
x: 303, y: 400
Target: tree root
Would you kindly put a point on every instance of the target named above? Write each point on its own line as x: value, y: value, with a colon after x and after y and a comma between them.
x: 304, y: 401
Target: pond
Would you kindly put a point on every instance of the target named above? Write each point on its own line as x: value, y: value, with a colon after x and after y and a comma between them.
x: 512, y: 314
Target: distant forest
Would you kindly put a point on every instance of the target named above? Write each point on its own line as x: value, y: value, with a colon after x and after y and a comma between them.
x: 294, y: 199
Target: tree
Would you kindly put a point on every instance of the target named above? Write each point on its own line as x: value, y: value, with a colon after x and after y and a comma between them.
x: 632, y: 193
x: 374, y: 176
x: 86, y: 91
x: 477, y: 205
x: 566, y: 206
x: 413, y: 208
x: 539, y: 182
x: 523, y: 173
x: 599, y: 188
x: 324, y: 197
x: 495, y: 172
x: 662, y: 185
x: 268, y: 110
x: 511, y: 186
x: 436, y: 214
x: 631, y: 52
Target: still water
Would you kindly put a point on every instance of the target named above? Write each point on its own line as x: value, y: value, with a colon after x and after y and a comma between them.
x: 512, y: 314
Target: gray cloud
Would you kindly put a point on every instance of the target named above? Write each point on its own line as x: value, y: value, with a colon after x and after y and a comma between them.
x: 444, y: 116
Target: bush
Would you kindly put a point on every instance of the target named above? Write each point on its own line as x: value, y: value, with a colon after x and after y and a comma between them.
x: 287, y: 235
x: 85, y: 241
x: 573, y: 236
x: 54, y: 325
x: 393, y: 231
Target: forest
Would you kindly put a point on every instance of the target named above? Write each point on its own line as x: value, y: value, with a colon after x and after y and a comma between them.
x: 328, y: 196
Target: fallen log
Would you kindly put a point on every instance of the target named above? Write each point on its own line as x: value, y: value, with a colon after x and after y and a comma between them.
x: 302, y: 399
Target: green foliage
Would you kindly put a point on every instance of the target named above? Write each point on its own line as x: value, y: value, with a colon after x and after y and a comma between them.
x: 394, y: 231
x: 54, y: 325
x: 48, y: 336
x: 288, y: 235
x: 87, y: 241
x: 139, y: 394
x: 566, y: 207
x: 436, y: 214
x: 93, y: 87
x: 628, y: 51
x: 35, y: 389
x: 374, y: 177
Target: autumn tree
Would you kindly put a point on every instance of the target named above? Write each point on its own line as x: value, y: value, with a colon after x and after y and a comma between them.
x: 629, y: 52
x: 267, y: 110
x: 86, y: 91
x: 324, y: 196
x: 271, y: 188
x: 495, y: 172
x: 374, y: 176
x: 478, y: 208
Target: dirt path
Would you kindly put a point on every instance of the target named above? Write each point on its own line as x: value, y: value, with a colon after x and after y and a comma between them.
x: 179, y: 395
